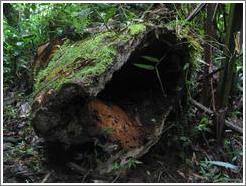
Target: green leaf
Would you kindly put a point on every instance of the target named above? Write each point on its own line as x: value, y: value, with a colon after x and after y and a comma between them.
x: 224, y: 164
x: 219, y: 58
x: 30, y: 36
x: 143, y: 66
x: 116, y: 166
x: 138, y: 162
x: 151, y: 59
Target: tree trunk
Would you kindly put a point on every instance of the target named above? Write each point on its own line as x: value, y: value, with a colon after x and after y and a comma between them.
x: 227, y: 75
x: 234, y: 23
x: 210, y: 34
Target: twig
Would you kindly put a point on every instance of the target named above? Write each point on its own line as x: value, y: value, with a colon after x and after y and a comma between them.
x: 148, y: 10
x: 159, y: 176
x: 85, y: 176
x: 205, y: 139
x: 116, y: 178
x: 169, y: 127
x: 200, y: 106
x: 46, y: 177
x: 123, y: 11
x: 196, y: 11
x: 77, y: 168
x: 215, y: 10
x: 104, y: 22
x: 212, y: 93
x: 161, y: 84
x: 212, y: 73
x: 207, y: 110
x: 168, y: 174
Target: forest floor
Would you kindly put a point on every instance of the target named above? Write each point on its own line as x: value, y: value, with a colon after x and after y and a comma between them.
x: 178, y: 157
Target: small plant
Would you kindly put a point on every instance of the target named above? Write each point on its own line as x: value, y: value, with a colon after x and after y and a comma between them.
x: 211, y: 173
x: 131, y: 163
x: 10, y: 112
x: 116, y: 166
x: 203, y: 125
x: 153, y: 67
x: 234, y: 154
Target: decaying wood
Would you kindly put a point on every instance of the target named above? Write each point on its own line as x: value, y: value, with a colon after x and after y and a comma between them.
x: 136, y: 152
x: 120, y: 109
x: 44, y: 54
x: 207, y: 110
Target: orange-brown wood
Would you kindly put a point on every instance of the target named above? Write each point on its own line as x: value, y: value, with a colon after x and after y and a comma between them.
x: 122, y: 128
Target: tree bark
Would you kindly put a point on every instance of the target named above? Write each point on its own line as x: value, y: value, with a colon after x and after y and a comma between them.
x: 207, y: 93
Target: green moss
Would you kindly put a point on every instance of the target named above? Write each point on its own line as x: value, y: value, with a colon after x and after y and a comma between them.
x: 136, y: 29
x: 195, y: 47
x: 183, y: 31
x: 83, y: 60
x: 193, y: 39
x: 80, y: 60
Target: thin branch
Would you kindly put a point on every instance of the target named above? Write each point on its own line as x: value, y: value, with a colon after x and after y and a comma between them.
x: 195, y: 12
x: 46, y: 177
x: 161, y: 84
x: 207, y: 110
x: 215, y: 10
x: 211, y: 74
x: 76, y: 168
x: 147, y: 11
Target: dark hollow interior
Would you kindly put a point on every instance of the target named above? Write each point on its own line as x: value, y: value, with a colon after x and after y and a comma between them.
x: 132, y: 81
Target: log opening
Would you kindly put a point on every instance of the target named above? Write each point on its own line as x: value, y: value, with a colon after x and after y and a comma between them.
x: 127, y: 114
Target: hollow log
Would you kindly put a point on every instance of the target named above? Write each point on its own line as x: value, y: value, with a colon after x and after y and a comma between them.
x: 92, y: 92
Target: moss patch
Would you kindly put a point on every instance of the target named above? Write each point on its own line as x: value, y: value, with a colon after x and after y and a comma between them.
x: 80, y: 60
x: 183, y: 31
x: 83, y: 60
x: 136, y: 29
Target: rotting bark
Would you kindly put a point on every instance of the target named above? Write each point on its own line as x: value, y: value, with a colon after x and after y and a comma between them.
x: 90, y: 93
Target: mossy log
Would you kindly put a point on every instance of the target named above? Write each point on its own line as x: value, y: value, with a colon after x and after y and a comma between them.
x: 90, y: 91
